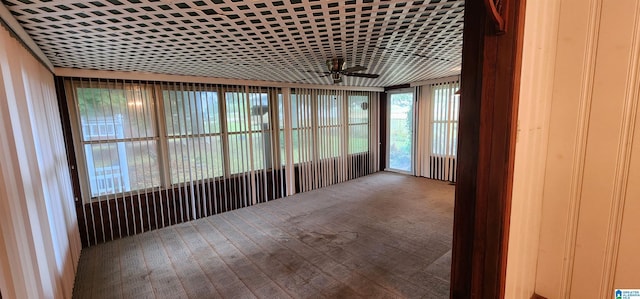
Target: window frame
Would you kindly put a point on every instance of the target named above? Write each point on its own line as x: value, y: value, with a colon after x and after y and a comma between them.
x: 162, y: 125
x: 449, y: 121
x: 79, y: 142
x: 350, y: 124
x: 245, y: 91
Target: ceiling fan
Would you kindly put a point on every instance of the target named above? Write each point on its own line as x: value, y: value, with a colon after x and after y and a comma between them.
x: 337, y: 69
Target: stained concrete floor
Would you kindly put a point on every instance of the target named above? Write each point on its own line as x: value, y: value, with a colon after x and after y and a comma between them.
x: 381, y: 236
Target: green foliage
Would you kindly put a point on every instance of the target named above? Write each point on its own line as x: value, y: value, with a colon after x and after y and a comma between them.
x: 101, y: 101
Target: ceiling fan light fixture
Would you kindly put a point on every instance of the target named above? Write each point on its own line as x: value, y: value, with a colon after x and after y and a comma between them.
x: 337, y: 77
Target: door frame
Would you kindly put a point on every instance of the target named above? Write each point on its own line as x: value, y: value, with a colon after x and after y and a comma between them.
x: 388, y: 129
x: 490, y: 80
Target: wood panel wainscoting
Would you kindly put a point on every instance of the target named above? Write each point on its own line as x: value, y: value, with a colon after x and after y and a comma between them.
x: 488, y: 111
x: 112, y: 219
x: 443, y: 168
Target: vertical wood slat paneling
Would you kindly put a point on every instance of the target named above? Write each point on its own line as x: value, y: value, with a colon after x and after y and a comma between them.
x: 587, y: 76
x: 593, y: 117
x: 577, y: 43
x: 623, y: 162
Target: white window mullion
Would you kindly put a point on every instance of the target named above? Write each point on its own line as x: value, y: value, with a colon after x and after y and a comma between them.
x: 302, y: 141
x: 207, y: 148
x: 343, y: 118
x: 312, y: 136
x: 288, y: 141
x: 163, y: 156
x: 306, y: 141
x: 241, y: 98
x: 251, y: 155
x: 237, y: 162
x: 81, y: 160
x: 194, y: 123
x: 224, y: 139
x: 107, y: 198
x: 137, y: 93
x: 203, y: 153
x: 176, y: 199
x: 111, y: 158
x: 319, y: 125
x: 316, y: 149
x: 163, y: 151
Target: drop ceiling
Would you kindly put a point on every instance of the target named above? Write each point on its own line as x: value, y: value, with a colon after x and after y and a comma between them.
x: 286, y: 41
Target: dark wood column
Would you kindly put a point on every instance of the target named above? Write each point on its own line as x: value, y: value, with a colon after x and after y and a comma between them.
x: 488, y: 111
x: 383, y: 130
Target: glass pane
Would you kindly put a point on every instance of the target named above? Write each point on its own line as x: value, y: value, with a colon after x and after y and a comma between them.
x: 446, y: 108
x: 301, y: 146
x: 196, y: 158
x: 239, y: 155
x: 358, y: 138
x: 329, y: 139
x: 439, y: 138
x: 445, y: 102
x: 111, y: 113
x: 259, y: 111
x: 401, y: 131
x: 358, y: 109
x: 453, y: 137
x: 191, y: 112
x: 244, y: 113
x: 280, y: 111
x: 444, y: 138
x: 283, y: 153
x: 122, y: 166
x: 329, y: 110
x: 300, y: 111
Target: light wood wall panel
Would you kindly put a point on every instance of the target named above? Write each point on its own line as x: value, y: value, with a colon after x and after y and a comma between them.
x: 536, y: 88
x: 587, y: 236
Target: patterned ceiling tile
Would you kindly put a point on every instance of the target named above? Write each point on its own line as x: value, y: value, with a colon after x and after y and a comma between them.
x: 288, y: 40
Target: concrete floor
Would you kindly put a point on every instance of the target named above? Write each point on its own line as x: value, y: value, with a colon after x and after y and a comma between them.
x: 381, y: 236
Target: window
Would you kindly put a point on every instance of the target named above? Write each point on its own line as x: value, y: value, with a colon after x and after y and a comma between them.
x: 358, y: 124
x: 135, y: 137
x: 301, y: 128
x: 248, y: 127
x: 326, y: 110
x: 446, y: 107
x: 194, y: 143
x: 330, y: 109
x: 118, y: 137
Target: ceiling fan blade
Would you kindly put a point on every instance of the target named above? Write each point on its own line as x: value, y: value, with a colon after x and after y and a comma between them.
x: 317, y: 72
x: 362, y: 75
x: 356, y: 68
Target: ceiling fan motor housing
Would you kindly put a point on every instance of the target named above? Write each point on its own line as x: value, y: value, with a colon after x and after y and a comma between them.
x: 336, y: 64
